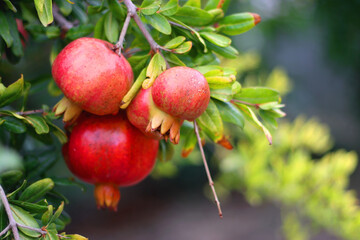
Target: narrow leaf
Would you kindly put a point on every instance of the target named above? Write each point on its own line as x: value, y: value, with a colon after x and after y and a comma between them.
x: 4, y: 30
x: 170, y: 8
x: 44, y: 10
x: 37, y: 190
x: 216, y: 39
x: 111, y: 27
x: 160, y: 23
x: 23, y: 217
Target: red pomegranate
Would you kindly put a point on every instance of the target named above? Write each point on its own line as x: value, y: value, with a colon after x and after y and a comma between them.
x: 143, y: 114
x: 109, y: 152
x: 182, y: 92
x: 92, y: 75
x: 178, y: 94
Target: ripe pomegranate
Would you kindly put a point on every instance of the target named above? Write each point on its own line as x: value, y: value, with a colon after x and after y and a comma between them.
x: 109, y: 152
x: 143, y: 114
x: 178, y: 94
x: 182, y: 92
x: 92, y: 75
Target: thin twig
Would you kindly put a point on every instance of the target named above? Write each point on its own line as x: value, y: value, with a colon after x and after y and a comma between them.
x: 132, y: 10
x: 42, y: 232
x: 211, y: 183
x: 61, y: 20
x: 5, y: 230
x: 119, y: 45
x: 12, y: 222
x: 30, y: 112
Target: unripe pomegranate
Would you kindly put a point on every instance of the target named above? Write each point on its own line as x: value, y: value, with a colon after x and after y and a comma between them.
x: 92, y: 75
x: 144, y: 115
x: 109, y: 152
x: 182, y: 92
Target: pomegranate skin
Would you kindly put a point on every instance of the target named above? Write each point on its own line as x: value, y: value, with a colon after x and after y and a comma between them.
x: 92, y: 75
x: 182, y: 92
x: 109, y: 150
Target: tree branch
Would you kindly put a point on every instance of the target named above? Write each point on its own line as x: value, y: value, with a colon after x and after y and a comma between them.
x: 12, y: 222
x: 30, y: 112
x: 119, y: 45
x: 211, y: 183
x: 61, y: 20
x: 132, y: 10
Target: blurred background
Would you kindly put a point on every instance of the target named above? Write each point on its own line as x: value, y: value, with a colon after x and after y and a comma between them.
x: 310, y: 51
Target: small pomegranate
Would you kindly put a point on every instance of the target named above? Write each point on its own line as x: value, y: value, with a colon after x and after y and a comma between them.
x: 92, y: 76
x: 109, y: 152
x: 182, y: 92
x: 143, y: 114
x: 178, y: 94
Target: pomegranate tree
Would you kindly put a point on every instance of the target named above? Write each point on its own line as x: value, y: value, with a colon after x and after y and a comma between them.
x: 109, y: 152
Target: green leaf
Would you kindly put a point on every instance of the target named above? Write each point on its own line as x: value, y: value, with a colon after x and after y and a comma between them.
x: 160, y: 23
x: 68, y: 182
x: 4, y: 30
x: 170, y: 8
x: 44, y: 10
x: 9, y: 178
x: 47, y: 215
x: 211, y: 123
x: 12, y: 92
x: 55, y: 50
x: 257, y: 95
x: 225, y: 93
x: 80, y: 14
x: 116, y: 9
x: 53, y: 32
x: 227, y: 52
x: 31, y: 207
x: 189, y: 144
x: 193, y: 3
x: 193, y: 16
x: 37, y: 190
x: 10, y: 5
x: 52, y: 234
x: 230, y: 113
x: 61, y: 136
x: 75, y: 237
x: 236, y: 24
x: 183, y: 48
x: 112, y: 27
x: 166, y: 151
x: 138, y: 63
x: 23, y: 217
x: 3, y: 218
x: 64, y: 7
x: 217, y: 14
x: 57, y: 213
x: 13, y: 194
x: 268, y: 119
x: 253, y: 119
x: 192, y: 30
x: 14, y: 125
x: 38, y: 123
x: 16, y: 47
x: 79, y: 31
x: 174, y: 60
x: 99, y: 28
x: 175, y: 42
x: 216, y: 39
x: 156, y: 66
x: 149, y: 7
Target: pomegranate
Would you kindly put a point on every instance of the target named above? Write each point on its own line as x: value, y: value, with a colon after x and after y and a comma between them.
x: 178, y: 94
x: 92, y: 76
x: 182, y: 92
x: 144, y: 115
x: 109, y: 152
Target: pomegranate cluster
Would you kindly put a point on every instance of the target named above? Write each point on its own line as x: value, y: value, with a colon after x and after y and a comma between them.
x: 108, y: 147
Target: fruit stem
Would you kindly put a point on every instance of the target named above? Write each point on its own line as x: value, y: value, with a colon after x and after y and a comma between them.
x: 211, y: 183
x: 119, y: 45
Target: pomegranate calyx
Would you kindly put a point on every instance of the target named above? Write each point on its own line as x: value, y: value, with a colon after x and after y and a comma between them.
x: 69, y: 109
x: 165, y: 125
x: 107, y: 196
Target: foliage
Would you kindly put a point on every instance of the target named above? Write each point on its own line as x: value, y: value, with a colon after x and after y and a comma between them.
x: 180, y: 35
